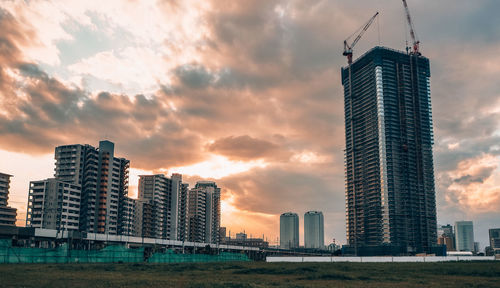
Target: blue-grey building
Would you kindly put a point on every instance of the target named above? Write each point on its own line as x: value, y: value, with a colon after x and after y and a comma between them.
x: 314, y: 231
x: 289, y: 230
x: 389, y: 174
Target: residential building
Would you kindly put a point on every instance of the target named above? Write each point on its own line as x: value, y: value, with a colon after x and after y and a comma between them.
x: 156, y: 189
x: 143, y: 218
x: 104, y: 183
x: 314, y: 235
x: 389, y: 174
x: 222, y: 234
x: 289, y: 230
x: 241, y: 236
x: 53, y: 204
x: 446, y: 236
x: 127, y: 216
x: 464, y: 233
x: 204, y: 212
x: 182, y: 212
x: 494, y: 238
x: 7, y: 214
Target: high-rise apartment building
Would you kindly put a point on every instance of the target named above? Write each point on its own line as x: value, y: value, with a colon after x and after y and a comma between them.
x: 53, y: 204
x: 7, y: 214
x: 289, y: 230
x: 494, y: 238
x: 178, y: 208
x: 389, y: 174
x: 314, y: 235
x: 464, y: 233
x: 127, y: 215
x: 104, y: 184
x: 168, y: 199
x: 156, y: 189
x: 204, y: 212
x: 143, y: 219
x: 182, y: 212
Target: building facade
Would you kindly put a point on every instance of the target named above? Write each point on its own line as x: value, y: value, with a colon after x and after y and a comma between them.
x: 464, y: 233
x: 389, y: 174
x: 204, y: 213
x: 104, y: 183
x: 314, y: 235
x: 127, y: 215
x: 53, y: 204
x: 7, y: 214
x: 182, y: 212
x: 289, y: 230
x: 447, y: 237
x: 494, y: 238
x: 143, y: 220
x: 156, y: 190
x: 168, y: 199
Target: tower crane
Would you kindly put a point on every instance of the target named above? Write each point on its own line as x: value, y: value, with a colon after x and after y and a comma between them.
x: 348, y: 47
x: 416, y: 42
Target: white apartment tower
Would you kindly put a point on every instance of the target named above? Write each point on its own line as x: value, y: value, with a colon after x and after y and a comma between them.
x: 314, y: 235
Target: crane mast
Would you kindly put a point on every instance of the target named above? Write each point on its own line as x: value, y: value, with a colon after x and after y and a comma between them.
x: 416, y: 42
x: 349, y: 47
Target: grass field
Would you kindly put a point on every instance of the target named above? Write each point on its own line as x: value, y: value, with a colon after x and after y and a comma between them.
x: 253, y: 274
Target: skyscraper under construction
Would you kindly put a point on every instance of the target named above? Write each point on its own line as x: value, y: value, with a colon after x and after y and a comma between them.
x: 389, y: 174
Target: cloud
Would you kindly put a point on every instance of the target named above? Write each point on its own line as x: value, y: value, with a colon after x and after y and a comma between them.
x: 247, y: 148
x: 247, y: 82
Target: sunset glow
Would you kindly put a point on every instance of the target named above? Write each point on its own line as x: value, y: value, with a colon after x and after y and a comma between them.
x: 244, y: 93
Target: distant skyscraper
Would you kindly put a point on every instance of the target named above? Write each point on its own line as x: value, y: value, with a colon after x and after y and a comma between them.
x: 53, y: 204
x: 289, y: 230
x: 104, y: 184
x: 204, y: 212
x: 7, y: 214
x: 314, y: 236
x: 447, y: 237
x: 388, y: 158
x: 464, y: 233
x: 494, y: 238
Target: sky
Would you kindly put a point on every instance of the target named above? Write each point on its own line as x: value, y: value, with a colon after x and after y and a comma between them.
x: 246, y: 93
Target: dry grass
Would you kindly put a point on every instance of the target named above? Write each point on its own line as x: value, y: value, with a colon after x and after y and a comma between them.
x: 253, y: 274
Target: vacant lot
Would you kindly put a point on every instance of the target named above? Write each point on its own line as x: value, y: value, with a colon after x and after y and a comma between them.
x: 253, y: 274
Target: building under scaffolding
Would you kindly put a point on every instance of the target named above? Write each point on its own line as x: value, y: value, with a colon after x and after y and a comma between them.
x: 390, y: 197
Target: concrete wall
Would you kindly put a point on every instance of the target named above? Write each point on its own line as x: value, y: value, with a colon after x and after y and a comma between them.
x: 381, y: 259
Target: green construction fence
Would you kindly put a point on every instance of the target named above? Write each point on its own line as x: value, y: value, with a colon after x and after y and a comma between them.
x: 109, y: 254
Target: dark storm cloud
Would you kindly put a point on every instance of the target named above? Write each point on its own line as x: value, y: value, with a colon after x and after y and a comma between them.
x: 194, y: 76
x: 478, y: 177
